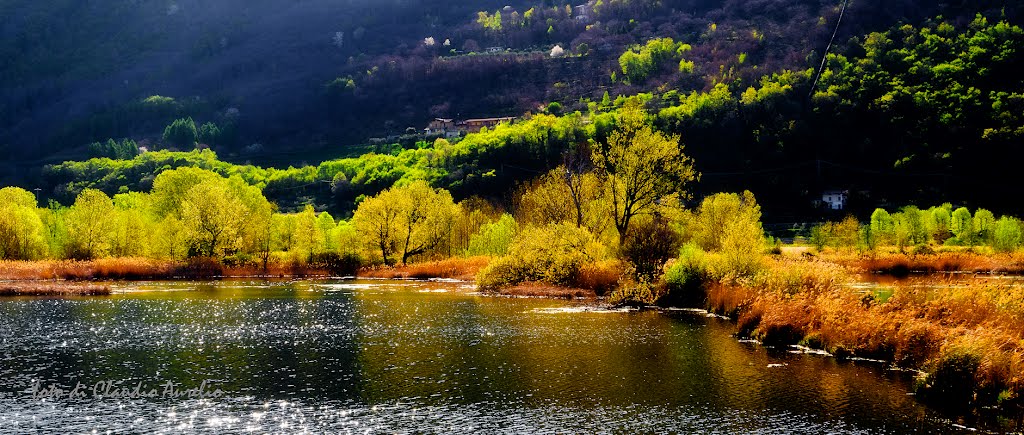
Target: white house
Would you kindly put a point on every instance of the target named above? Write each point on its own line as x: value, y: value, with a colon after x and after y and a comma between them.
x: 583, y: 12
x: 835, y: 199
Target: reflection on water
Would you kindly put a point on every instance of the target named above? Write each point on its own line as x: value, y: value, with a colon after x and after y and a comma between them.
x: 385, y: 356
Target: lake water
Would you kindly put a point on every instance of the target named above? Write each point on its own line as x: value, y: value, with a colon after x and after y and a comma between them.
x: 414, y: 357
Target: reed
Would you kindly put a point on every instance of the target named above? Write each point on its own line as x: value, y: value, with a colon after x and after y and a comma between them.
x: 967, y: 340
x: 902, y: 264
x: 459, y: 268
x: 27, y: 288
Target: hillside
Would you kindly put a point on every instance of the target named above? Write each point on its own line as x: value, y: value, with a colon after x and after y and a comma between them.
x: 78, y: 72
x: 733, y: 79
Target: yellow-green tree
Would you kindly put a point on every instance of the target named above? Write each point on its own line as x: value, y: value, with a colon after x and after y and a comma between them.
x: 325, y: 224
x: 22, y: 234
x: 730, y: 224
x: 217, y: 215
x: 90, y: 224
x: 212, y: 218
x: 308, y: 236
x: 132, y: 225
x: 406, y: 221
x: 641, y: 167
x: 170, y: 188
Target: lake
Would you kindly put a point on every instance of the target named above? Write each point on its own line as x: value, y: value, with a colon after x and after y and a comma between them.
x: 414, y: 357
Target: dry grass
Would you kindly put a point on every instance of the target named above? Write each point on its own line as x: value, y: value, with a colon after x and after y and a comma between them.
x: 147, y: 269
x: 542, y: 290
x: 28, y: 288
x: 948, y: 261
x: 601, y: 277
x: 452, y: 268
x: 968, y: 340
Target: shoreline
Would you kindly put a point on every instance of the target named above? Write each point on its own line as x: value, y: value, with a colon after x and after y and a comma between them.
x: 52, y: 288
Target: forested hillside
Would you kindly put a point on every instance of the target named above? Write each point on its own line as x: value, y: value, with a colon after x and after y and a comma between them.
x: 915, y: 101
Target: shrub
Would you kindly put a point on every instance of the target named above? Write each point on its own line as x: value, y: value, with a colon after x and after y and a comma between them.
x: 634, y: 293
x: 951, y: 378
x: 493, y: 238
x: 648, y: 244
x: 684, y: 279
x: 553, y: 254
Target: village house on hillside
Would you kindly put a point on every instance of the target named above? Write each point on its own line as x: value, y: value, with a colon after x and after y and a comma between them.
x: 583, y: 12
x: 834, y: 199
x: 475, y: 125
x: 451, y: 128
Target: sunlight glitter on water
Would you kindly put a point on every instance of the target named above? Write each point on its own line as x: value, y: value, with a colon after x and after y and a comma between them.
x: 386, y: 357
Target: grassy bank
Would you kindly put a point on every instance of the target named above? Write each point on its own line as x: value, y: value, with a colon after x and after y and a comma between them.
x: 943, y: 261
x: 967, y: 342
x: 464, y: 269
x: 151, y: 269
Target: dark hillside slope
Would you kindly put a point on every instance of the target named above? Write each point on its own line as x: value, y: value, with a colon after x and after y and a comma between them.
x: 78, y: 71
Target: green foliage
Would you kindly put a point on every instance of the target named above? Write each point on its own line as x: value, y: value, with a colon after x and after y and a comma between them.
x: 181, y: 133
x: 22, y: 234
x: 880, y: 228
x: 493, y: 238
x: 641, y: 167
x: 718, y: 212
x: 209, y: 134
x: 730, y: 224
x: 686, y: 274
x: 984, y: 226
x: 638, y: 62
x: 554, y: 108
x: 1006, y: 236
x: 934, y: 87
x: 89, y: 224
x: 553, y: 254
x: 962, y: 225
x: 844, y: 234
x: 406, y: 221
x: 126, y: 149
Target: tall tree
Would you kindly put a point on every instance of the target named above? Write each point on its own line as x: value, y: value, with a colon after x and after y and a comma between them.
x: 213, y: 217
x: 181, y: 133
x: 641, y: 166
x: 407, y: 220
x: 22, y: 234
x: 90, y: 224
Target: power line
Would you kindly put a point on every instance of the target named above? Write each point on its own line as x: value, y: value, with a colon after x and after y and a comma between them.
x: 827, y: 48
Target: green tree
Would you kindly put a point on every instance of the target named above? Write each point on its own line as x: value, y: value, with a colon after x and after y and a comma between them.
x: 213, y: 218
x: 939, y: 222
x: 308, y: 235
x: 209, y: 134
x: 720, y: 211
x: 181, y: 133
x: 984, y: 223
x: 641, y: 167
x: 961, y: 224
x: 325, y: 224
x: 406, y: 221
x: 493, y: 238
x: 880, y: 228
x: 90, y: 224
x: 132, y: 225
x: 1006, y: 234
x: 376, y: 219
x: 22, y: 234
